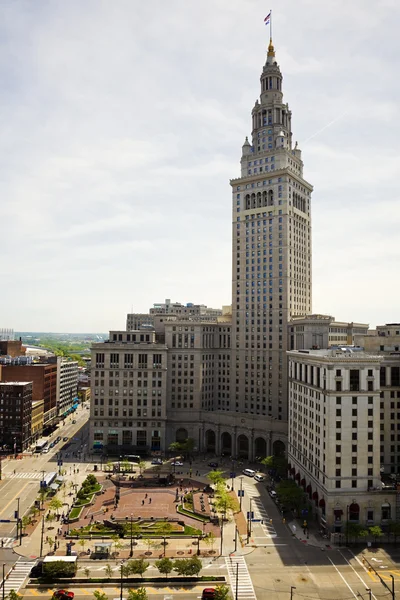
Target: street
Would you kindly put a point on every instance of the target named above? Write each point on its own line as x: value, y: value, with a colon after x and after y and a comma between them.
x: 274, y: 564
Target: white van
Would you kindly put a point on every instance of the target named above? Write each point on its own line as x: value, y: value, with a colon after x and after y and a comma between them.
x: 249, y: 472
x: 273, y: 494
x: 259, y: 477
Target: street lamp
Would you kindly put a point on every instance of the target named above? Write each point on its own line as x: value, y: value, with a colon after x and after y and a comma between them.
x: 347, y: 525
x: 131, y: 551
x: 249, y: 522
x: 241, y: 493
x: 292, y: 587
x: 121, y: 582
x: 4, y: 576
x: 369, y: 592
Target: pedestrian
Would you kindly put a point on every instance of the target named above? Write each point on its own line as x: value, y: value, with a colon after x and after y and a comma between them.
x: 2, y: 543
x: 142, y: 502
x: 149, y: 500
x: 146, y: 495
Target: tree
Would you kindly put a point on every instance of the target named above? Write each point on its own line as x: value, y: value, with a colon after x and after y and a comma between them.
x: 117, y: 543
x: 139, y: 594
x: 50, y: 542
x: 164, y: 529
x: 142, y: 466
x: 26, y: 520
x: 376, y: 532
x: 225, y: 502
x: 126, y: 465
x: 58, y: 568
x: 138, y: 566
x: 42, y: 495
x: 34, y: 511
x: 175, y: 447
x: 82, y: 543
x: 100, y: 595
x: 215, y: 476
x: 276, y: 464
x: 222, y: 592
x: 55, y: 504
x: 165, y: 566
x: 188, y: 446
x: 86, y: 570
x: 290, y: 494
x: 209, y: 540
x: 91, y: 480
x: 12, y: 595
x: 108, y: 571
x: 188, y: 566
x: 50, y: 517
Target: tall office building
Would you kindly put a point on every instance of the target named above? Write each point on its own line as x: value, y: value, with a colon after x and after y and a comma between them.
x: 271, y: 252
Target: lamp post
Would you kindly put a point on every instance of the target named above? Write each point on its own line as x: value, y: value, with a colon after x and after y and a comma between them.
x: 4, y: 577
x: 393, y: 595
x: 241, y: 493
x: 249, y: 522
x: 347, y: 525
x: 292, y: 588
x: 131, y: 551
x: 121, y: 582
x: 237, y: 581
x: 41, y: 537
x: 369, y: 592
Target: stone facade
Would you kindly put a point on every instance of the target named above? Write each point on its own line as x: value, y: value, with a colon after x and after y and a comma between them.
x: 334, y: 436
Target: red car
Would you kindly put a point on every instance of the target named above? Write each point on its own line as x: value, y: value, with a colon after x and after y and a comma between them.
x: 63, y: 595
x: 208, y: 593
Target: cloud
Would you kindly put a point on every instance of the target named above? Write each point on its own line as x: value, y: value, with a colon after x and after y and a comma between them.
x: 122, y: 124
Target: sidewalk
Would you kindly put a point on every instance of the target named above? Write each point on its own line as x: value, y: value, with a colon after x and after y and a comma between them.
x: 311, y: 537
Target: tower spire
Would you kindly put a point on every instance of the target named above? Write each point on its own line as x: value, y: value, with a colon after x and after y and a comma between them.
x: 271, y: 49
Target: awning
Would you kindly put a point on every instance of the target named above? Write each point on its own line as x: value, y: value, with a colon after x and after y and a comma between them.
x: 322, y: 503
x: 303, y: 482
x: 308, y: 489
x: 297, y: 477
x: 315, y: 496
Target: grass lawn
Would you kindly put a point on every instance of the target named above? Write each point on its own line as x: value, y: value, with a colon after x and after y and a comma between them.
x: 75, y: 512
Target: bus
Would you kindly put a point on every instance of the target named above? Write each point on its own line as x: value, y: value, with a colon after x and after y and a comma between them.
x: 48, y: 480
x: 41, y: 445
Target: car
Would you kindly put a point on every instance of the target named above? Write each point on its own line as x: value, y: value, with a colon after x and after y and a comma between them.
x: 52, y: 445
x: 63, y: 595
x: 259, y: 477
x: 208, y: 593
x: 65, y: 439
x: 249, y: 472
x: 74, y: 422
x: 45, y: 450
x: 177, y: 463
x: 214, y: 465
x: 156, y: 461
x: 273, y: 494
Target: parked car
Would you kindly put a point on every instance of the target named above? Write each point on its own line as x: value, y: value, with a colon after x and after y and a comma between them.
x: 156, y: 461
x: 36, y: 570
x: 177, y: 463
x: 249, y: 472
x: 208, y: 594
x: 74, y: 422
x: 273, y: 494
x: 259, y: 477
x: 65, y: 439
x: 214, y: 465
x: 63, y: 595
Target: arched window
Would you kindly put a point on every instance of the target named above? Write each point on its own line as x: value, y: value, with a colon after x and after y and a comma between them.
x: 386, y: 511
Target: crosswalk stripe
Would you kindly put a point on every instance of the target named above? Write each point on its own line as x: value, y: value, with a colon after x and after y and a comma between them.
x: 18, y: 575
x: 7, y: 542
x: 245, y: 587
x: 24, y: 476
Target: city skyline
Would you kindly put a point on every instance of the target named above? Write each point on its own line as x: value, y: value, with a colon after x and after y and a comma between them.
x: 86, y: 154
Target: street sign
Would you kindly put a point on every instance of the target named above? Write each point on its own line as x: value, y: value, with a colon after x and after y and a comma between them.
x: 5, y: 521
x: 232, y: 475
x: 256, y: 520
x: 250, y: 515
x: 240, y: 493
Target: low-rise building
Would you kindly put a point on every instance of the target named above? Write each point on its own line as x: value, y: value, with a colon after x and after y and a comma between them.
x: 334, y: 436
x: 37, y: 420
x: 322, y: 331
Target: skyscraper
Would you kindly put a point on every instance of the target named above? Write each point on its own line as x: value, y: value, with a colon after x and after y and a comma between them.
x: 271, y: 252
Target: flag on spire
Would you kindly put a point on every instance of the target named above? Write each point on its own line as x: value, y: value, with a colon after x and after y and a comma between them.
x: 267, y: 19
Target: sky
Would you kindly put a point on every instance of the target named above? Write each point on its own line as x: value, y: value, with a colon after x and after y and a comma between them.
x: 122, y: 123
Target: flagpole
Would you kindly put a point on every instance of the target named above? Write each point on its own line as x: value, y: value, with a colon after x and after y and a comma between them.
x: 270, y: 24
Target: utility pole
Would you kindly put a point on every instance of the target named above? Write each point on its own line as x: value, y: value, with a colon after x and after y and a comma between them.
x: 292, y: 588
x: 41, y: 537
x: 249, y: 522
x: 241, y: 493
